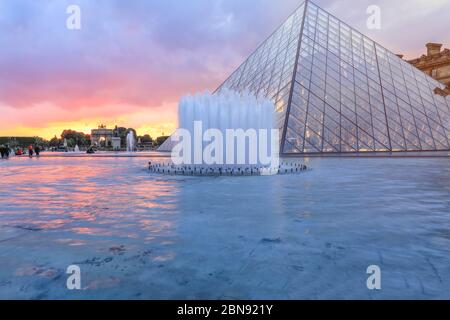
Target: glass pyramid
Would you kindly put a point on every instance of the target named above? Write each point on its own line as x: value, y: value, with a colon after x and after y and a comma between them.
x: 337, y: 91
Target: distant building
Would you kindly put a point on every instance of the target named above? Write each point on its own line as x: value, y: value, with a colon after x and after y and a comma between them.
x: 436, y: 63
x: 20, y: 141
x: 102, y: 137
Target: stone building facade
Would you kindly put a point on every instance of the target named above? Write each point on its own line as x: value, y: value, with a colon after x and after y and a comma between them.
x: 102, y: 137
x: 435, y: 63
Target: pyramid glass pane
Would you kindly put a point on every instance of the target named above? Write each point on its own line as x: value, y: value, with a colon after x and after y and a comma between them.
x: 335, y: 90
x: 268, y: 71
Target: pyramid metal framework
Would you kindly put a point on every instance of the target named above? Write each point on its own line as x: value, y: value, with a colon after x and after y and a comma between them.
x: 337, y: 91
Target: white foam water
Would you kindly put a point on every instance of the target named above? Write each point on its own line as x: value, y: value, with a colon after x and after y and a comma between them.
x: 234, y: 111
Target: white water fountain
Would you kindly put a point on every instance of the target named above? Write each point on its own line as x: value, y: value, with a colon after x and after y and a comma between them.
x: 77, y: 149
x: 131, y: 142
x: 206, y: 118
x: 229, y: 111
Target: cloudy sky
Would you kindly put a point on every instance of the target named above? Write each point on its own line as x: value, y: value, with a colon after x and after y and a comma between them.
x: 132, y: 60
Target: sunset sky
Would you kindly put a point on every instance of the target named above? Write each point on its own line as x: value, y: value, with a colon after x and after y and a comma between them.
x: 132, y: 60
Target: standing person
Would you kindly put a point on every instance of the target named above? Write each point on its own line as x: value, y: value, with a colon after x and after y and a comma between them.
x: 37, y: 149
x: 7, y: 151
x: 2, y: 151
x: 30, y: 151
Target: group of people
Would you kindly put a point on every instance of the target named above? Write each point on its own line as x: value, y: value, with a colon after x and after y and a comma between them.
x: 5, y: 151
x: 32, y: 151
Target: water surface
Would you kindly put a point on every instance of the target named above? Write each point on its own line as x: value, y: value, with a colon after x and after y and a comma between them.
x: 307, y: 236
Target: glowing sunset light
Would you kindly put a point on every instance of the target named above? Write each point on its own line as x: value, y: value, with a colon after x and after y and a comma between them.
x: 129, y: 65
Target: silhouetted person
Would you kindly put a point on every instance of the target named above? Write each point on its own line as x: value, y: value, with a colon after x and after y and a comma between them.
x: 30, y: 151
x: 7, y: 151
x: 2, y: 151
x: 37, y: 149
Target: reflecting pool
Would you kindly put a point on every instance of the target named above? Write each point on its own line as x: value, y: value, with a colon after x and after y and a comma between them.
x: 142, y: 236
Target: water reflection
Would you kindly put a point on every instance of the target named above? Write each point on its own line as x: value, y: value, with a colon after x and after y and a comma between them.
x: 83, y: 196
x: 143, y: 236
